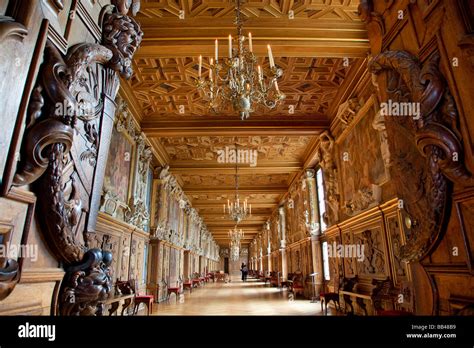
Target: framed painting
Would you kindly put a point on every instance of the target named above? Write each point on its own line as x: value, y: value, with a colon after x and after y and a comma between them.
x: 118, y: 172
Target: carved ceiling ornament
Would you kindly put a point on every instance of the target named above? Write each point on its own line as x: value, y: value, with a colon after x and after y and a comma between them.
x: 425, y: 151
x: 208, y: 148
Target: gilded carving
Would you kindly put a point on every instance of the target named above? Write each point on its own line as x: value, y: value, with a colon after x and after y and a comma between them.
x: 326, y: 160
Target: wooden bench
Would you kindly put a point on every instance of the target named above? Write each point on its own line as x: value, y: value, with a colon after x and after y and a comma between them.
x: 114, y: 301
x: 127, y: 291
x: 363, y: 292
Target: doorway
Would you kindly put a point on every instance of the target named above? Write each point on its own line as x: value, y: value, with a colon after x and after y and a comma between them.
x: 226, y: 265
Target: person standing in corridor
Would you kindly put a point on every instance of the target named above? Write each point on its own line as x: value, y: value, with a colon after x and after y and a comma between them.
x: 244, y: 271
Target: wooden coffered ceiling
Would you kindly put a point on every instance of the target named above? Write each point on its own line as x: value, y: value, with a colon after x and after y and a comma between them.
x: 321, y: 46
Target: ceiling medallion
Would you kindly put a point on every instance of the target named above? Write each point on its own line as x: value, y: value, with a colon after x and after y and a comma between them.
x: 239, y: 80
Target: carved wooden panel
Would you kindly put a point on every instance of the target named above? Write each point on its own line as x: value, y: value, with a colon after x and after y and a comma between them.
x: 374, y: 259
x: 465, y: 211
x: 396, y: 239
x: 348, y: 262
x: 297, y: 208
x: 362, y: 173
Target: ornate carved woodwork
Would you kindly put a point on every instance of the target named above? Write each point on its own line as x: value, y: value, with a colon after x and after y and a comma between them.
x: 362, y: 173
x: 66, y: 142
x: 327, y: 161
x: 428, y: 147
x: 122, y: 35
x: 87, y: 285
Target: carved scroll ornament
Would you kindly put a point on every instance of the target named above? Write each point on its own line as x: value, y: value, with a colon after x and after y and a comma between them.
x: 426, y: 151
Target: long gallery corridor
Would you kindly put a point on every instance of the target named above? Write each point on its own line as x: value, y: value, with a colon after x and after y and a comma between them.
x: 323, y: 148
x: 237, y: 298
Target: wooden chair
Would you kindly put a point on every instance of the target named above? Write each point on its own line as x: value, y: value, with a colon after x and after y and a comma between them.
x: 139, y: 299
x: 196, y: 281
x: 326, y: 296
x: 297, y: 285
x: 174, y: 289
x: 386, y: 295
x: 188, y: 284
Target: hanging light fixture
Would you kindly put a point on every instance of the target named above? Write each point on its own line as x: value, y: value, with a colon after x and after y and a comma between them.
x: 237, y: 210
x: 239, y: 80
x: 235, y: 237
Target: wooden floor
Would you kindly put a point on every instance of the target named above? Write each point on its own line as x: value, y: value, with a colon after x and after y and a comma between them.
x: 237, y: 298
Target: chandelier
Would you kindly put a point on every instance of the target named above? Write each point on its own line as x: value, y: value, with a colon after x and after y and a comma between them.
x: 239, y: 80
x: 237, y: 210
x: 235, y: 237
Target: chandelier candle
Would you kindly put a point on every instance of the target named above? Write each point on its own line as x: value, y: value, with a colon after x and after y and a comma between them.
x: 270, y: 56
x: 200, y: 65
x: 250, y: 42
x: 217, y: 52
x: 230, y: 46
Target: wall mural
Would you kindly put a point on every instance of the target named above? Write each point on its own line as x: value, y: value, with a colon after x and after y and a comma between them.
x: 362, y: 172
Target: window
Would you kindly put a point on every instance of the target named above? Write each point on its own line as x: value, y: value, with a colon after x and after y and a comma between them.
x: 327, y: 275
x: 145, y: 264
x: 321, y: 198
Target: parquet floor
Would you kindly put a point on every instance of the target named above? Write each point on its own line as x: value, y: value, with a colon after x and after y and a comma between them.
x: 237, y: 298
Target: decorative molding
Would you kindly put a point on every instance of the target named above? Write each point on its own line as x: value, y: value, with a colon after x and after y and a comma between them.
x: 9, y: 29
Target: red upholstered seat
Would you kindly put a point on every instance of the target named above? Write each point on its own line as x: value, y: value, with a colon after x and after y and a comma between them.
x: 147, y: 300
x: 175, y: 289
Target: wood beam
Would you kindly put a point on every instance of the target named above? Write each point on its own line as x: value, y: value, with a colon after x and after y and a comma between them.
x: 200, y: 168
x: 231, y: 189
x: 169, y: 37
x: 228, y: 127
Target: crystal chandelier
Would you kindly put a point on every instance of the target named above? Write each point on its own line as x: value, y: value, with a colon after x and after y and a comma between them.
x: 239, y: 80
x: 237, y: 210
x: 235, y: 237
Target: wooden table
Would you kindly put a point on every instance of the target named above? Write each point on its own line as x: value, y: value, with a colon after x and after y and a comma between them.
x: 114, y: 302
